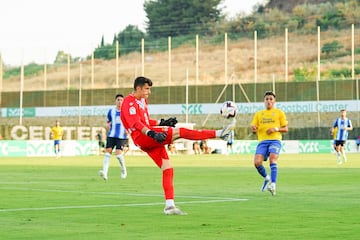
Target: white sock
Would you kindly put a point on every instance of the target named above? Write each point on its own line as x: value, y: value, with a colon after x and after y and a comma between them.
x: 169, y: 202
x: 106, y: 163
x: 121, y: 160
x: 338, y: 156
x: 218, y: 133
x: 344, y: 156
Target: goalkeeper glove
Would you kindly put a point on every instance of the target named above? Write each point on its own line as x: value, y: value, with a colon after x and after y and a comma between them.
x: 159, y: 137
x: 171, y: 122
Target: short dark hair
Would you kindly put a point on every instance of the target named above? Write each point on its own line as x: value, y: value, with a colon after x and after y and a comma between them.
x: 119, y: 95
x: 141, y: 81
x: 269, y: 93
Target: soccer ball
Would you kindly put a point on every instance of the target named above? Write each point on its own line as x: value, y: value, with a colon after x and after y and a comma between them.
x: 228, y: 109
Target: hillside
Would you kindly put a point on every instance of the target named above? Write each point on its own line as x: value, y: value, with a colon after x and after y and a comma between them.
x: 287, y: 6
x: 211, y: 63
x: 302, y: 54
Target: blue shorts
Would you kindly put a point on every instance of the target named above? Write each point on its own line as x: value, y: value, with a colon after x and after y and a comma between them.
x: 268, y: 146
x: 56, y: 142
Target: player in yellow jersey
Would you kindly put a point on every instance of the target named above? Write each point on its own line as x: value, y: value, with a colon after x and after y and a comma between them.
x: 268, y: 124
x: 57, y: 134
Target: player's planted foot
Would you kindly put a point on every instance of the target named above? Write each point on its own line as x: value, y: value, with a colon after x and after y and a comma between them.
x: 271, y: 188
x: 172, y: 210
x: 102, y: 175
x: 123, y: 172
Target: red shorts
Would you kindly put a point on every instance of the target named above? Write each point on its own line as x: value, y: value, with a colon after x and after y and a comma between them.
x: 154, y: 149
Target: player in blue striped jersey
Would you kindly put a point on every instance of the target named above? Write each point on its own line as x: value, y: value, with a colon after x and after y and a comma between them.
x: 116, y: 137
x: 344, y: 125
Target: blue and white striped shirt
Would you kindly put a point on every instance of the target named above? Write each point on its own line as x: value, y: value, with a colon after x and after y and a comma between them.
x: 342, y: 134
x: 117, y: 129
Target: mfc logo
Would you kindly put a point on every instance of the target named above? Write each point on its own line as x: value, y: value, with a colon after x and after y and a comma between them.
x: 192, y: 109
x: 243, y: 146
x: 309, y: 147
x: 25, y: 112
x: 13, y: 112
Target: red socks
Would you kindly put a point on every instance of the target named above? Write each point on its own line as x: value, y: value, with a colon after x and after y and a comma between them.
x: 168, y: 174
x: 167, y: 181
x: 192, y: 134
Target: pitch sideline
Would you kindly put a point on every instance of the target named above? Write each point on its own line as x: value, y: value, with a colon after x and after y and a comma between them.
x: 209, y: 200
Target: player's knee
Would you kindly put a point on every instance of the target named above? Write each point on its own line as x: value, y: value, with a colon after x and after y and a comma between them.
x: 257, y: 163
x: 165, y: 164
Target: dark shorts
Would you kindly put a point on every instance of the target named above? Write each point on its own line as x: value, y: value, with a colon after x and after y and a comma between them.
x: 116, y: 142
x: 339, y: 143
x: 101, y: 144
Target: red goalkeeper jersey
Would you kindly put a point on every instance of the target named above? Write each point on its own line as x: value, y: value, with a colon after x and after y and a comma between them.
x: 135, y: 115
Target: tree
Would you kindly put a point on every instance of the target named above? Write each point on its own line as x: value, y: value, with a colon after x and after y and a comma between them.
x: 331, y: 18
x: 61, y: 57
x: 331, y: 47
x: 105, y: 52
x: 181, y: 17
x: 102, y: 44
x: 130, y: 39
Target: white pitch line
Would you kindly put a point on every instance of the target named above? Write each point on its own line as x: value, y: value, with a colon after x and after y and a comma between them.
x: 19, y: 183
x: 113, y: 193
x: 211, y: 199
x: 118, y: 205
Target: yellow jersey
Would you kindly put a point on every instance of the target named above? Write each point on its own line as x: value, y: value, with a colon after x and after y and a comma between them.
x: 265, y: 119
x: 57, y: 132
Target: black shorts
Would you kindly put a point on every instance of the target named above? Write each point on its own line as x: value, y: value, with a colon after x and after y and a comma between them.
x: 116, y: 142
x: 339, y: 143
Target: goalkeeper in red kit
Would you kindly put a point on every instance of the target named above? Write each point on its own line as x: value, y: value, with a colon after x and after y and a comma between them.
x: 151, y: 136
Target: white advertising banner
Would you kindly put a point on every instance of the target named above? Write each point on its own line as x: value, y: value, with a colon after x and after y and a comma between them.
x: 193, y: 109
x: 32, y: 148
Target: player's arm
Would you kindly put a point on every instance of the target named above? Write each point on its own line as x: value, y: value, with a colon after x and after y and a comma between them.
x: 61, y: 133
x: 157, y: 136
x: 108, y: 126
x: 276, y: 129
x: 283, y: 124
x: 108, y: 120
x: 134, y: 122
x: 349, y: 126
x: 253, y: 128
x: 254, y: 124
x: 282, y: 129
x: 153, y: 122
x: 335, y: 125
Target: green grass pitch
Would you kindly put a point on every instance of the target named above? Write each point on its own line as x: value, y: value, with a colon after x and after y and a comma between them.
x: 48, y: 198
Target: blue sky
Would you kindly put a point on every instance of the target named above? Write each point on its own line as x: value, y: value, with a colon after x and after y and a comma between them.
x: 35, y: 30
